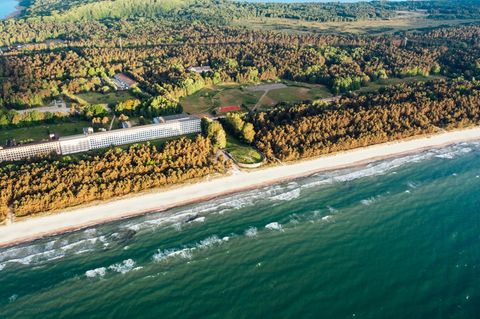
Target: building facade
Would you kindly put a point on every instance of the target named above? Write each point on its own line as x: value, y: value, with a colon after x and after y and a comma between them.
x: 83, y: 143
x: 25, y: 151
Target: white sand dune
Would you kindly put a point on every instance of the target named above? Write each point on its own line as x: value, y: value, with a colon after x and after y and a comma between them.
x: 81, y: 217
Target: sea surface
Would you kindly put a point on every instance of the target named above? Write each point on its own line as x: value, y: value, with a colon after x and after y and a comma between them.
x: 398, y: 238
x: 7, y: 7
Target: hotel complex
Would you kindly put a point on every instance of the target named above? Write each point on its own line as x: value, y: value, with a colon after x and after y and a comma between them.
x: 168, y: 127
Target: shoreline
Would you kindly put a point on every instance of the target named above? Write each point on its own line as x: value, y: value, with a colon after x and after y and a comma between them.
x: 18, y: 10
x: 158, y: 200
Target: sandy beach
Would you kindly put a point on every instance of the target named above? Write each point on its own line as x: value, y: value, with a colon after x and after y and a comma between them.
x: 37, y: 227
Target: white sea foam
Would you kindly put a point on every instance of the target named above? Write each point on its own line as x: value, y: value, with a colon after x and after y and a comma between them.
x: 79, y: 244
x: 327, y: 217
x: 368, y: 201
x: 413, y: 184
x: 90, y: 231
x: 274, y: 226
x: 287, y: 196
x: 331, y: 209
x: 374, y: 169
x: 83, y: 251
x: 2, y: 266
x: 453, y: 152
x: 123, y: 267
x: 162, y: 255
x: 187, y: 252
x: 209, y: 241
x: 251, y: 232
x: 34, y: 258
x: 446, y: 156
x: 199, y: 220
x: 294, y: 219
x: 97, y: 272
x: 13, y: 298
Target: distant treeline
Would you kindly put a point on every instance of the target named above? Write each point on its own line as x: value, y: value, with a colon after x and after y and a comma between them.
x: 223, y: 11
x: 52, y: 184
x: 307, y: 130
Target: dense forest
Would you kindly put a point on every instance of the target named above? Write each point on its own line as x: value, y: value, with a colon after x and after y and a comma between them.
x: 52, y: 184
x: 30, y: 78
x: 305, y: 130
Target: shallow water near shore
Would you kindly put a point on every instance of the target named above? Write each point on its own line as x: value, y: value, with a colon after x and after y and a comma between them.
x: 7, y: 7
x: 398, y: 238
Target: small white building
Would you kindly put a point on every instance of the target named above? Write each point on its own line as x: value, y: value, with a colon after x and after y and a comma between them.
x: 199, y: 69
x: 87, y: 130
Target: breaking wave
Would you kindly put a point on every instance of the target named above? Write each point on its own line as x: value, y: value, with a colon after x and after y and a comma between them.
x: 162, y: 255
x: 98, y: 272
x: 251, y: 232
x: 293, y: 194
x: 274, y: 226
x: 123, y: 267
x: 369, y: 201
x: 327, y: 218
x: 42, y: 252
x: 187, y: 252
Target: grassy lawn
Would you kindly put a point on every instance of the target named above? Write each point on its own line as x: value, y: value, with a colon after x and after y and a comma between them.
x: 242, y: 153
x: 41, y: 132
x: 237, y: 97
x: 375, y: 86
x: 111, y: 98
x: 208, y: 99
x: 297, y: 92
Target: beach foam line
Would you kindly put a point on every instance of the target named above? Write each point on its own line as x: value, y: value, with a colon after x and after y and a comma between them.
x: 161, y: 200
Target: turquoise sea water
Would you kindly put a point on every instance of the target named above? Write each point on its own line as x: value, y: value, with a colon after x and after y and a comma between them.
x: 7, y: 7
x: 397, y: 239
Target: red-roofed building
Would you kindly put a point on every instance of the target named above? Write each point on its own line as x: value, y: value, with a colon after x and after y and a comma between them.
x: 123, y: 82
x: 230, y: 108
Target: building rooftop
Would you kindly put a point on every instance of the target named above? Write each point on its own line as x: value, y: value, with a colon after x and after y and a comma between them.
x: 175, y: 117
x: 199, y: 69
x: 181, y: 117
x: 124, y: 78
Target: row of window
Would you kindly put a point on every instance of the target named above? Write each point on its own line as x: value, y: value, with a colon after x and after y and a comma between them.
x: 17, y: 153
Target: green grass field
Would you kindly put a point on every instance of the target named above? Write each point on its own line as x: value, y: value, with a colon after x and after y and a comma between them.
x: 241, y: 152
x: 209, y: 99
x: 296, y: 92
x: 110, y: 99
x: 41, y: 132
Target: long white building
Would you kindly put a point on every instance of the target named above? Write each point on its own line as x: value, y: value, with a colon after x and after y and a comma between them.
x: 82, y: 143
